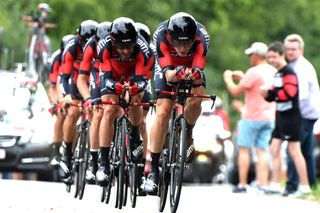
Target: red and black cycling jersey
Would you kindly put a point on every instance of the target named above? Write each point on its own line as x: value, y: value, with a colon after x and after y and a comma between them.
x: 55, y: 67
x: 90, y: 57
x: 71, y: 59
x: 135, y: 69
x: 168, y: 57
x: 285, y: 90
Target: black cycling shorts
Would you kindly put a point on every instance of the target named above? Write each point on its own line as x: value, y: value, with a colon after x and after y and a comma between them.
x: 287, y: 125
x: 146, y: 98
x: 73, y: 89
x: 95, y: 85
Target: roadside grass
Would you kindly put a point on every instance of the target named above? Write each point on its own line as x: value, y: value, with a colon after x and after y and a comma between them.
x: 316, y: 191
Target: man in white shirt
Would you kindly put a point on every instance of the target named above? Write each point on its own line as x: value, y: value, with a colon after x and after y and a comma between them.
x: 309, y: 100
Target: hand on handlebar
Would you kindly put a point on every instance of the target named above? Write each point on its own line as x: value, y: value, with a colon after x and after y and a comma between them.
x: 119, y: 88
x: 183, y: 73
x: 133, y: 89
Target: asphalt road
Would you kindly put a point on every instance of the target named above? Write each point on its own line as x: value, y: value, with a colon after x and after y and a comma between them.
x: 45, y: 197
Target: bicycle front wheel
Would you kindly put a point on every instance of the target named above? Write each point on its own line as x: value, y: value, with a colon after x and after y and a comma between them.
x: 84, y: 158
x: 164, y: 174
x: 178, y: 156
x: 121, y: 175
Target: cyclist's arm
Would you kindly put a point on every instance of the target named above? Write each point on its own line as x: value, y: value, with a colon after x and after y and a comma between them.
x: 106, y: 70
x: 143, y: 66
x: 84, y: 73
x: 50, y: 25
x: 53, y: 76
x: 67, y: 65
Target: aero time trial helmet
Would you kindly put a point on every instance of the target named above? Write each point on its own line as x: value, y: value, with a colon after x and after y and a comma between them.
x: 181, y: 28
x: 87, y: 29
x: 45, y: 7
x: 65, y: 39
x: 123, y: 32
x: 103, y: 29
x: 144, y: 31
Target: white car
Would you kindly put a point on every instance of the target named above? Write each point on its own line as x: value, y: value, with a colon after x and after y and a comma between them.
x: 26, y: 126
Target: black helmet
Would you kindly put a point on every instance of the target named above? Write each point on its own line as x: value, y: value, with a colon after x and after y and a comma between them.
x: 103, y: 29
x: 87, y: 29
x: 182, y: 27
x: 144, y: 31
x: 123, y: 32
x: 65, y: 39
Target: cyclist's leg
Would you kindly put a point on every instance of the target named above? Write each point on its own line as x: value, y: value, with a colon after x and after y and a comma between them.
x: 95, y: 126
x: 192, y: 112
x: 135, y: 114
x: 143, y: 125
x: 69, y: 134
x: 106, y: 132
x: 57, y: 138
x: 94, y: 146
x: 70, y: 128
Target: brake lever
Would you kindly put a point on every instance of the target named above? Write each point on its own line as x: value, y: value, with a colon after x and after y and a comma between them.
x: 213, y: 98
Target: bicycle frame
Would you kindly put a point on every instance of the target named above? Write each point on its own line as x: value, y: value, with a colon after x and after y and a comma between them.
x: 38, y: 51
x: 122, y: 151
x: 176, y: 150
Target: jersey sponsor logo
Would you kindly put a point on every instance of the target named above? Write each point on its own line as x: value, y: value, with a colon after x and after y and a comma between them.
x: 190, y: 53
x: 144, y: 47
x: 69, y: 44
x: 88, y: 43
x: 92, y: 82
x: 155, y: 35
x: 118, y: 58
x: 57, y: 52
x: 109, y: 84
x: 206, y: 36
x: 102, y: 43
x: 126, y: 40
x: 183, y: 38
x: 157, y: 71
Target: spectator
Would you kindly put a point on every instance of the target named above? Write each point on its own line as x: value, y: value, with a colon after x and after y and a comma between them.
x: 288, y: 119
x: 309, y: 100
x: 257, y: 115
x: 219, y: 111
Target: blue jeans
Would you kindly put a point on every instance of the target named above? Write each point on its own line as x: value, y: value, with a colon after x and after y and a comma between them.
x: 307, y: 144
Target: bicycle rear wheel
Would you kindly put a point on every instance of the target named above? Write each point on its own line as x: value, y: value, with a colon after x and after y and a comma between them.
x: 178, y: 162
x: 77, y: 154
x: 109, y: 186
x: 84, y: 159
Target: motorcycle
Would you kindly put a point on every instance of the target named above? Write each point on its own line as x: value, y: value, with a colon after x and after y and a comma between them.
x: 213, y: 149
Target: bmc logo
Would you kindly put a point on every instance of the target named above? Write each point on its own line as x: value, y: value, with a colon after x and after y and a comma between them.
x: 144, y: 47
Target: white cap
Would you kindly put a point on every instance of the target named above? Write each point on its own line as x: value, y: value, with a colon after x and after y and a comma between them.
x: 207, y: 107
x: 258, y: 48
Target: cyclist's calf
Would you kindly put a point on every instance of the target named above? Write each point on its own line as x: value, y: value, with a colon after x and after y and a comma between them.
x: 193, y: 106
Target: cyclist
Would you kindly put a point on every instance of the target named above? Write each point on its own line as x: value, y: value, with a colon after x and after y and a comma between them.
x: 71, y: 58
x: 144, y: 31
x: 54, y: 97
x: 39, y: 21
x: 123, y: 53
x: 181, y: 46
x: 90, y: 67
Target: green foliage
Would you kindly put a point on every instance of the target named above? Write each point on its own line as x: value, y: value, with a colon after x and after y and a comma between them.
x: 232, y: 25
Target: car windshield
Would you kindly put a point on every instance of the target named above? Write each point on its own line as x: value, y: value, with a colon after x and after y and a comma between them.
x: 13, y: 97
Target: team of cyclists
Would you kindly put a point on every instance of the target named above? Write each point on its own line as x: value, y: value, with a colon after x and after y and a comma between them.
x: 89, y: 68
